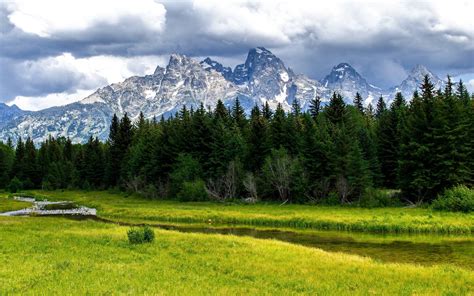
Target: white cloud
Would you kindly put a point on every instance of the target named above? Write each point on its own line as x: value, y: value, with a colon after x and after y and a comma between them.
x: 337, y: 21
x: 46, y: 18
x: 50, y: 100
x: 70, y: 79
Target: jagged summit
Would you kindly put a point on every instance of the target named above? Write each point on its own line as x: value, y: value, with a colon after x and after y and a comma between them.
x: 209, y: 64
x: 344, y: 79
x: 414, y: 81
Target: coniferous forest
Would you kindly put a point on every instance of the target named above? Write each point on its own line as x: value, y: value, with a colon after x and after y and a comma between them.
x: 336, y: 153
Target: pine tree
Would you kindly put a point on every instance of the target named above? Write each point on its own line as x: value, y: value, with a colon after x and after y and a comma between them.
x: 315, y: 107
x: 238, y: 115
x: 6, y: 161
x: 266, y: 111
x: 31, y: 171
x: 358, y: 103
x: 296, y: 108
x: 258, y: 141
x: 381, y: 107
x: 388, y: 137
x: 336, y: 110
x: 416, y: 158
x: 278, y: 128
x: 221, y: 112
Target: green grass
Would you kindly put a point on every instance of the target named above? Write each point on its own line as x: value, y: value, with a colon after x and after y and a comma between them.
x: 8, y: 204
x: 63, y: 257
x: 134, y: 209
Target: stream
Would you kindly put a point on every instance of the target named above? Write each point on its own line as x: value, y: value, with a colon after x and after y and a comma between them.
x: 418, y: 249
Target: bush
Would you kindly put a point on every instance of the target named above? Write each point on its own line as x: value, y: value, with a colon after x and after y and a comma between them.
x: 332, y: 199
x: 456, y: 199
x: 141, y: 235
x: 193, y: 191
x: 148, y: 234
x: 15, y: 185
x: 376, y: 198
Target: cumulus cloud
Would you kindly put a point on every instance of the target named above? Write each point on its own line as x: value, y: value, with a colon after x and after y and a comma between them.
x: 54, y: 18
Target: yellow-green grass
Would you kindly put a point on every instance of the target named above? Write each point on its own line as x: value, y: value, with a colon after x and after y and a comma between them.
x: 8, y: 204
x: 63, y: 257
x: 134, y: 209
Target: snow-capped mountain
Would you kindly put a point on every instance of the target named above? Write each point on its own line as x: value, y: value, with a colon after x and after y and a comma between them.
x: 263, y: 77
x: 348, y: 81
x: 414, y: 80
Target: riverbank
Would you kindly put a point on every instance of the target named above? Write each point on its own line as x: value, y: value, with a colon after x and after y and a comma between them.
x: 134, y: 209
x: 59, y: 256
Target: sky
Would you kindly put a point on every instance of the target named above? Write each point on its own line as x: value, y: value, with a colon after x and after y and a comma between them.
x: 54, y: 52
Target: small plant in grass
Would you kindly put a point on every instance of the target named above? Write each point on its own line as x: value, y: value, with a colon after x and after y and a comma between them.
x: 456, y: 199
x: 140, y: 235
x: 148, y: 234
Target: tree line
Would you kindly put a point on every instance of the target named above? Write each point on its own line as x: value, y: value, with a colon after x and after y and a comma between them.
x: 337, y: 151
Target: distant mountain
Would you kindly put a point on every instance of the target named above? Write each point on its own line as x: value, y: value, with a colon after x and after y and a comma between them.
x: 348, y: 81
x: 263, y: 77
x: 8, y: 113
x: 414, y: 80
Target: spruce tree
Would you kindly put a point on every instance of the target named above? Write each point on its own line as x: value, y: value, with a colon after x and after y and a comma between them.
x: 381, y: 107
x: 336, y: 110
x: 315, y: 107
x: 358, y: 103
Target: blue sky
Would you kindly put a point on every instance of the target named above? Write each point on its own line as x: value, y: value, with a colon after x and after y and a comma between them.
x: 55, y: 52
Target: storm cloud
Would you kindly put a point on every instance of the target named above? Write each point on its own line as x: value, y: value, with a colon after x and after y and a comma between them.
x: 67, y: 47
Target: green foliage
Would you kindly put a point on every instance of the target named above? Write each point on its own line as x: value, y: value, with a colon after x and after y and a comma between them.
x: 148, y: 234
x: 421, y: 148
x: 193, y: 191
x: 140, y: 235
x: 377, y: 198
x: 15, y: 185
x: 223, y: 264
x: 456, y: 199
x: 186, y: 169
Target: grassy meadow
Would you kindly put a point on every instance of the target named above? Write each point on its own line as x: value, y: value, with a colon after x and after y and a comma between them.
x: 64, y: 257
x: 133, y: 209
x: 59, y: 256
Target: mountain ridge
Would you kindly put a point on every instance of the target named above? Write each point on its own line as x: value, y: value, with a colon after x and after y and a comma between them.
x: 263, y: 77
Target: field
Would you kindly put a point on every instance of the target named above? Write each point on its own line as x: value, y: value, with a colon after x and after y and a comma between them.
x: 12, y: 205
x: 395, y: 220
x: 52, y: 255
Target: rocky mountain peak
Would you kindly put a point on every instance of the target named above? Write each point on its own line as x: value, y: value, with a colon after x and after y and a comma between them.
x: 209, y: 64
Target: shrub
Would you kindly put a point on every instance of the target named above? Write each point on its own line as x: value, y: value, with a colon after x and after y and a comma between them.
x: 135, y: 236
x: 332, y: 199
x: 141, y: 235
x: 15, y: 185
x: 148, y: 234
x: 376, y: 198
x: 193, y: 191
x: 456, y: 199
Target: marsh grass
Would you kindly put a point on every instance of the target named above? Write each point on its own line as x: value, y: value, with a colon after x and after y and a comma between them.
x: 64, y: 257
x: 134, y: 209
x: 8, y: 204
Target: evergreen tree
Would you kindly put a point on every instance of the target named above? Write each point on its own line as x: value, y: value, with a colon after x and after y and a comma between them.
x: 266, y: 111
x: 258, y: 141
x: 336, y: 109
x: 358, y: 103
x: 381, y: 107
x: 6, y: 161
x: 278, y: 128
x: 315, y: 107
x: 238, y: 115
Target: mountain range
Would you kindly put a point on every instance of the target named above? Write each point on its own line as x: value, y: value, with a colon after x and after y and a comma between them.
x: 184, y: 81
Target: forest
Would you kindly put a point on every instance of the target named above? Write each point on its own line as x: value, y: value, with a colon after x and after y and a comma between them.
x: 335, y: 153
